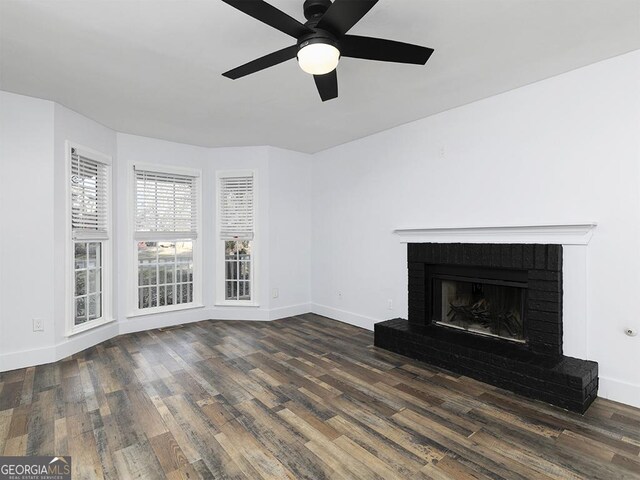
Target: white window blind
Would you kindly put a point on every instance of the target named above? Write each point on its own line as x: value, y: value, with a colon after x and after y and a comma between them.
x: 89, y: 190
x: 166, y: 205
x: 236, y: 208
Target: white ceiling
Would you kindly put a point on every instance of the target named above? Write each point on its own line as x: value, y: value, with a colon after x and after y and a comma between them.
x: 152, y: 67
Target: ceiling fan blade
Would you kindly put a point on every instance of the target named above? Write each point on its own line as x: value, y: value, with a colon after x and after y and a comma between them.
x: 327, y: 85
x: 383, y: 50
x: 263, y: 62
x: 344, y: 14
x: 266, y: 13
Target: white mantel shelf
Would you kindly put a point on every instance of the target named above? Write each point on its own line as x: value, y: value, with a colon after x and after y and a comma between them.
x: 561, y: 234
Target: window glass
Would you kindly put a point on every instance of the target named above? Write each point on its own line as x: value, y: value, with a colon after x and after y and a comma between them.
x: 165, y: 273
x: 238, y: 270
x: 87, y: 281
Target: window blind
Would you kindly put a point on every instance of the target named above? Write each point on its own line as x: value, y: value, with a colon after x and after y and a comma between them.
x: 166, y: 205
x: 89, y: 190
x: 236, y: 208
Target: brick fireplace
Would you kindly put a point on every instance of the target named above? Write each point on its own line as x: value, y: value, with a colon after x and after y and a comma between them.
x: 492, y: 312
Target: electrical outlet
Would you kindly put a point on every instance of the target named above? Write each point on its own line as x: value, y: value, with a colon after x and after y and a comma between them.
x: 390, y: 304
x: 38, y: 325
x: 275, y: 293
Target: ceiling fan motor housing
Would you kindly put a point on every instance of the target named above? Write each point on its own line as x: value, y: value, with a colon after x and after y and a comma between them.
x: 315, y: 8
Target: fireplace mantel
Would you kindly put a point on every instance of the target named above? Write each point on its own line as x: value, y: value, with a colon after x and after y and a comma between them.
x: 559, y: 234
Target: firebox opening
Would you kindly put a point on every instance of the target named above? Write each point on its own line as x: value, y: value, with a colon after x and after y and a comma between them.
x: 488, y: 302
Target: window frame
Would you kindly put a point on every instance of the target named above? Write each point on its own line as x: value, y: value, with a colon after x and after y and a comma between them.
x: 220, y: 280
x: 106, y: 245
x: 198, y: 267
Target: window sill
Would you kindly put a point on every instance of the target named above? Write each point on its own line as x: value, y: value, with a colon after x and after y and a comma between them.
x: 160, y: 310
x: 88, y: 326
x: 240, y: 303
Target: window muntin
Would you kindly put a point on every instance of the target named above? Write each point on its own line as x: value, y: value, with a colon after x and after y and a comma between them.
x: 87, y: 297
x: 237, y: 270
x: 165, y: 273
x: 166, y: 230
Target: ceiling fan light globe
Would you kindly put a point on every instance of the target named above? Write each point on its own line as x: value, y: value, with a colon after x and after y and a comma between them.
x: 318, y: 58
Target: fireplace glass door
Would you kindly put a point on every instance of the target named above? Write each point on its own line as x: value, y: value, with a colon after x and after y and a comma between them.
x: 485, y: 306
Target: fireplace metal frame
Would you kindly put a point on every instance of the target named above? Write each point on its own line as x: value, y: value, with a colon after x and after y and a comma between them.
x: 483, y: 275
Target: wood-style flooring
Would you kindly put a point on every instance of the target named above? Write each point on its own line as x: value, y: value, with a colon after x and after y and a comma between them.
x: 304, y: 397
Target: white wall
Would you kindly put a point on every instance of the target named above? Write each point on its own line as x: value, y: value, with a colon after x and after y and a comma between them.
x: 26, y: 216
x: 562, y: 150
x: 289, y: 216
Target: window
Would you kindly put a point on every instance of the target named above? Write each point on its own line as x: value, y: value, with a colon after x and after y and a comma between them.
x: 236, y: 233
x: 166, y: 232
x: 89, y: 187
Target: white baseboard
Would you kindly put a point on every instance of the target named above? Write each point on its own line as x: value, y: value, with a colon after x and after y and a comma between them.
x: 27, y: 358
x: 291, y: 311
x: 255, y: 314
x: 619, y: 391
x: 162, y: 320
x: 84, y: 340
x: 344, y: 316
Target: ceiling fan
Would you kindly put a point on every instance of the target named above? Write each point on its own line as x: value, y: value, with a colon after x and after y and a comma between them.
x: 323, y: 39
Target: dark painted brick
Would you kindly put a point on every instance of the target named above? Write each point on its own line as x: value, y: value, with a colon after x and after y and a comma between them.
x: 545, y: 285
x: 496, y: 255
x: 516, y: 256
x: 542, y: 295
x: 545, y: 337
x: 554, y: 258
x: 417, y: 316
x: 543, y: 306
x: 416, y: 266
x: 486, y: 255
x: 543, y: 316
x: 544, y: 275
x: 458, y: 256
x: 506, y: 258
x: 467, y: 255
x: 412, y: 252
x: 528, y: 256
x: 475, y: 252
x: 547, y: 327
x: 540, y: 252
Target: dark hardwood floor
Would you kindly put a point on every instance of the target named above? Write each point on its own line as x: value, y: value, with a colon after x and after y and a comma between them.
x: 304, y: 397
